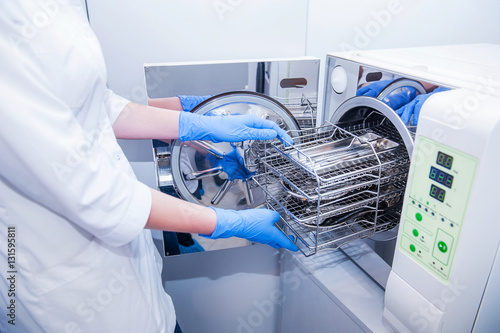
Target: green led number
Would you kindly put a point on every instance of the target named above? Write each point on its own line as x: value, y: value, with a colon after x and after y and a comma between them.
x: 440, y: 159
x: 433, y: 191
x: 448, y: 162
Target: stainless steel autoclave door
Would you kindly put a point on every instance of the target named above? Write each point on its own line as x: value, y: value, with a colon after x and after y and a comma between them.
x: 198, y: 173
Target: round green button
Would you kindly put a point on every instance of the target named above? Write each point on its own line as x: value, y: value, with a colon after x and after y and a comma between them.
x: 412, y: 248
x: 415, y: 232
x: 418, y: 216
x: 442, y: 247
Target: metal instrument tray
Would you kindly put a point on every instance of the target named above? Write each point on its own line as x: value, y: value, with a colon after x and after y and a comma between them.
x: 324, y: 155
x: 333, y: 185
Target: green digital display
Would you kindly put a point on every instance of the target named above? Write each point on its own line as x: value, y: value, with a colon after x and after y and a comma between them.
x: 444, y: 160
x: 437, y: 193
x: 441, y: 177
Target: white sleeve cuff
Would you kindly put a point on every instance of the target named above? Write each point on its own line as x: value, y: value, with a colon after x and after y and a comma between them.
x: 135, y: 218
x: 114, y: 105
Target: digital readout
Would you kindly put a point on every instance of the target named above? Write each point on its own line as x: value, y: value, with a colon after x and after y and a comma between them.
x: 441, y: 177
x: 444, y: 160
x: 437, y: 193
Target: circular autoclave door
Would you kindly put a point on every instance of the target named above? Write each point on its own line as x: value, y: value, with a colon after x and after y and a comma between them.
x: 197, y: 171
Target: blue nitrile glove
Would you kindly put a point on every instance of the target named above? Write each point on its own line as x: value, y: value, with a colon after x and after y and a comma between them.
x: 373, y: 89
x: 196, y: 247
x: 413, y: 108
x: 228, y: 128
x: 395, y: 99
x: 256, y: 225
x: 400, y: 97
x: 189, y: 102
x: 232, y: 164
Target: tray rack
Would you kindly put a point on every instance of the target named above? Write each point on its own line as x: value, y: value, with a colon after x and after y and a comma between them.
x: 328, y: 198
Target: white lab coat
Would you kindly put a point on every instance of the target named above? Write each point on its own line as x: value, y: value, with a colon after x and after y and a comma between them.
x: 83, y: 262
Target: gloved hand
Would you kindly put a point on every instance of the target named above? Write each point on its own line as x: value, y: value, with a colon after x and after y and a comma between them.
x: 256, y: 225
x: 189, y: 102
x: 232, y: 164
x: 373, y: 89
x: 228, y: 128
x: 400, y: 97
x: 395, y: 99
x: 414, y: 107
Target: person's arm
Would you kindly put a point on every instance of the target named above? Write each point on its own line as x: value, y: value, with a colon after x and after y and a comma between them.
x: 178, y: 103
x: 255, y: 225
x: 138, y: 121
x: 170, y: 103
x: 172, y: 214
x: 167, y: 213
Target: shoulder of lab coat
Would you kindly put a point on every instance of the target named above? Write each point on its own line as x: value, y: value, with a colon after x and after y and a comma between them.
x: 52, y: 157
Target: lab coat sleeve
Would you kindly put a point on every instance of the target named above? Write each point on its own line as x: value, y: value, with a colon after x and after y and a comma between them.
x: 114, y: 105
x: 48, y: 157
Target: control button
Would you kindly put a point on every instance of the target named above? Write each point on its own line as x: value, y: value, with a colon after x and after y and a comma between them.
x: 412, y: 248
x: 413, y: 231
x: 419, y: 215
x: 442, y: 247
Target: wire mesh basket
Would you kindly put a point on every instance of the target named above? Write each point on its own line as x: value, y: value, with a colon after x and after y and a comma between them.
x: 334, y: 185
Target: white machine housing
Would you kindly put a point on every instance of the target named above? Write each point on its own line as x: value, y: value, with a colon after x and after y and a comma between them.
x: 445, y: 274
x: 447, y: 281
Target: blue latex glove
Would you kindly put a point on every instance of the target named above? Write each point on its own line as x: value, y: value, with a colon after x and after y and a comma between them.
x: 189, y: 102
x: 228, y: 128
x: 414, y: 107
x: 256, y: 225
x: 232, y: 164
x: 395, y: 99
x: 373, y: 89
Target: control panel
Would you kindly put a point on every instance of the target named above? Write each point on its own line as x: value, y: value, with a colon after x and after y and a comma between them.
x: 437, y: 196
